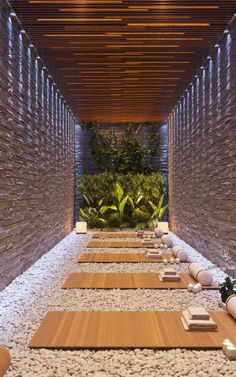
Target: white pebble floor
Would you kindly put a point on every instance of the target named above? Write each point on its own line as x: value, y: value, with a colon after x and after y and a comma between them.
x: 26, y: 300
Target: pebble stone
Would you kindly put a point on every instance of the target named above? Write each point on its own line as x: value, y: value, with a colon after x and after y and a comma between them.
x: 27, y: 299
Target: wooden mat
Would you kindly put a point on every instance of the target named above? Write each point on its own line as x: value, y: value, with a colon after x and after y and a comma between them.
x: 118, y: 234
x: 128, y: 330
x: 114, y: 235
x: 120, y: 244
x: 130, y: 280
x: 121, y: 258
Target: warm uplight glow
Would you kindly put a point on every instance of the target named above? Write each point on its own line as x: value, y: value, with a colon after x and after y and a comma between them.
x: 174, y: 7
x: 141, y: 45
x: 73, y: 2
x: 164, y: 39
x: 77, y: 19
x: 172, y: 24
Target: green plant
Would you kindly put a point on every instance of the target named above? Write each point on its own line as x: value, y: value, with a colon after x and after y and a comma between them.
x: 119, y: 202
x: 227, y: 288
x: 92, y: 216
x: 120, y: 156
x: 157, y: 210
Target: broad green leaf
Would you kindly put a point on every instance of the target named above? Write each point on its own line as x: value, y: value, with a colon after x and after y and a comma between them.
x: 161, y: 201
x: 104, y: 209
x: 153, y: 206
x: 162, y: 211
x: 86, y: 199
x: 122, y: 205
x: 100, y: 202
x: 119, y: 191
x: 141, y: 197
x: 131, y: 201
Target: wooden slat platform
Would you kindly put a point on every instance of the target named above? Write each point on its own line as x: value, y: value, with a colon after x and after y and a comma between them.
x: 130, y: 280
x: 70, y: 330
x: 114, y: 235
x: 118, y: 234
x: 120, y: 244
x: 121, y: 258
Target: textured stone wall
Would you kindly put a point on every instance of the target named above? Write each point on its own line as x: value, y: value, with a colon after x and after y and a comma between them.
x: 36, y: 155
x: 202, y: 156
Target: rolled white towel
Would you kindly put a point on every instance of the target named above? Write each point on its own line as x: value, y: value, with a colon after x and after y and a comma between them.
x: 167, y: 240
x: 199, y: 273
x: 231, y: 305
x: 180, y: 253
x: 158, y: 232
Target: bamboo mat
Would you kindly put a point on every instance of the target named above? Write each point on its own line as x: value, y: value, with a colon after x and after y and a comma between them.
x: 119, y: 244
x: 130, y: 280
x: 121, y: 258
x: 71, y: 330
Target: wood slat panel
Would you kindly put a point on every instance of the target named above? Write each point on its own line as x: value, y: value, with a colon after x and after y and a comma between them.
x: 70, y: 330
x: 106, y: 35
x: 145, y: 280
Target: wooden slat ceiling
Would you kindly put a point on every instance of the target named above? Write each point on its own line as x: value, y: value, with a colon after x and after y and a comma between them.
x: 123, y: 60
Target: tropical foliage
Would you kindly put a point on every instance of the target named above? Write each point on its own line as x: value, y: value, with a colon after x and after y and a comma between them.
x: 122, y: 207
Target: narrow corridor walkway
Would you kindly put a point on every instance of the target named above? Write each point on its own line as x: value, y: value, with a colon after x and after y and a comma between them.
x: 24, y: 303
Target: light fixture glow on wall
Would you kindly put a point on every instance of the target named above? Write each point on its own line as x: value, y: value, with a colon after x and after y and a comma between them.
x: 208, y: 58
x: 217, y: 45
x: 23, y: 31
x: 13, y: 14
x: 38, y: 58
x: 226, y: 31
x: 31, y: 46
x: 202, y: 67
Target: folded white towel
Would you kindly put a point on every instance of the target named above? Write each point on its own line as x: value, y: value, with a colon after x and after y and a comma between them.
x: 169, y: 271
x: 198, y: 312
x: 166, y: 277
x: 198, y: 323
x: 150, y: 254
